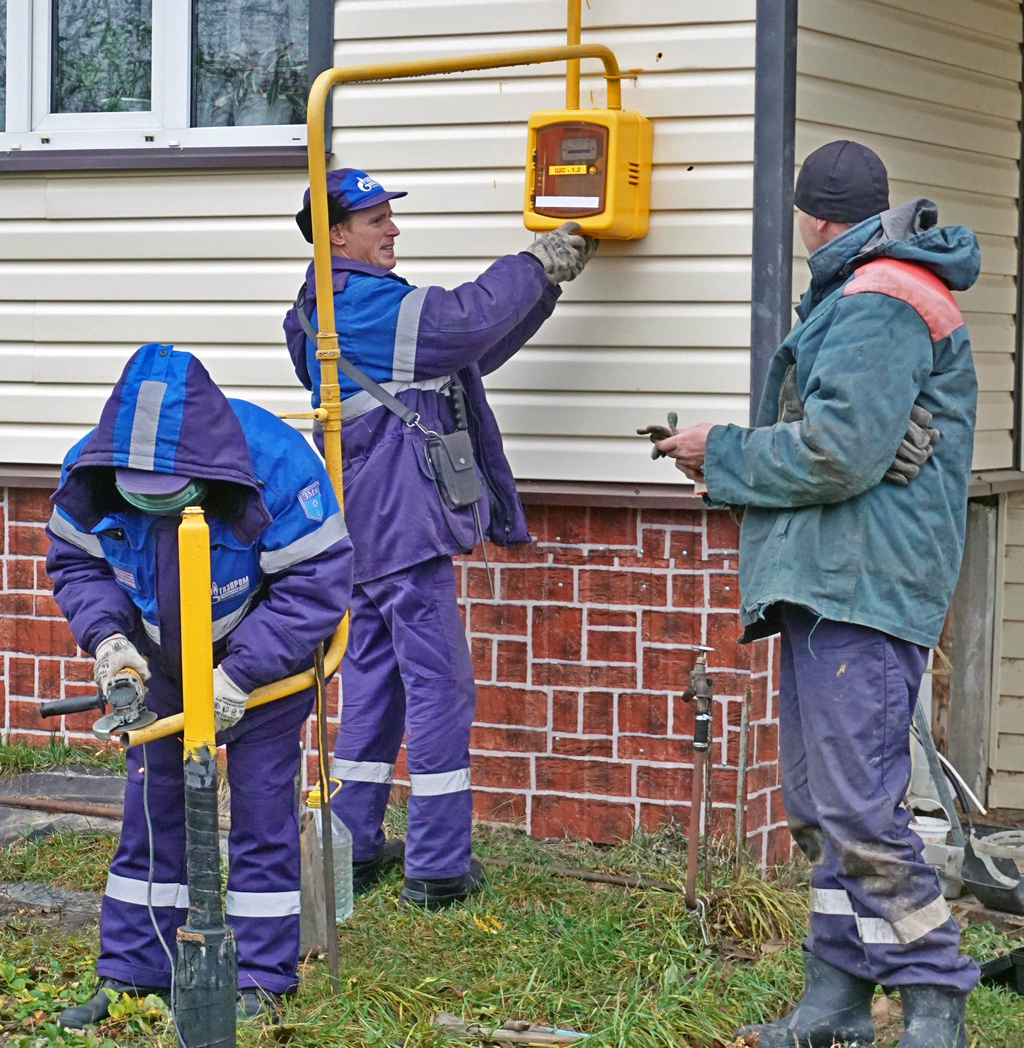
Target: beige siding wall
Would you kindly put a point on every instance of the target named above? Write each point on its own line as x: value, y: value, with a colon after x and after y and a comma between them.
x: 934, y: 87
x: 94, y: 265
x: 1006, y: 789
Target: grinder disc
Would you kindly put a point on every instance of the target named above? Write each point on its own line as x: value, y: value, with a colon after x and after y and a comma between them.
x: 112, y: 722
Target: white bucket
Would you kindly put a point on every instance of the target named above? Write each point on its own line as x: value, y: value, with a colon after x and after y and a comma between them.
x: 930, y: 829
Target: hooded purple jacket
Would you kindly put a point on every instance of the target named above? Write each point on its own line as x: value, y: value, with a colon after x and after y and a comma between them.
x: 281, y: 559
x: 413, y: 341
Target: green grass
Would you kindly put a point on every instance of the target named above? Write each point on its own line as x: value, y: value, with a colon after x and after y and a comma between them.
x: 628, y: 967
x: 19, y: 757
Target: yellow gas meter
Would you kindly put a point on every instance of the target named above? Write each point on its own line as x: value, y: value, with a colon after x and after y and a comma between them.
x: 592, y: 166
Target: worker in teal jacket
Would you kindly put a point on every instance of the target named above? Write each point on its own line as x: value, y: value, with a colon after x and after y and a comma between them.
x: 856, y: 574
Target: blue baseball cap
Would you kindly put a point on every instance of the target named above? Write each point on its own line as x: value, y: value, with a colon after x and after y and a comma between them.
x: 348, y: 189
x: 149, y: 482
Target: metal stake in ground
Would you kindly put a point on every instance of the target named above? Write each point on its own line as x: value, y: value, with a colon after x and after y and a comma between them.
x: 699, y: 690
x: 206, y: 970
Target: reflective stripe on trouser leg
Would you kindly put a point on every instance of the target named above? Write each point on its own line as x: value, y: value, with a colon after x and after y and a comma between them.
x: 853, y: 690
x: 440, y: 691
x: 426, y: 645
x: 129, y: 949
x: 372, y: 723
x: 262, y: 903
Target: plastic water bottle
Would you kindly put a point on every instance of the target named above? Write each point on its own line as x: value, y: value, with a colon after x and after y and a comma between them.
x: 341, y: 841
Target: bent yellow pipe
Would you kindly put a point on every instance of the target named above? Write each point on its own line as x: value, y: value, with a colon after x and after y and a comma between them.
x: 260, y: 697
x: 327, y: 337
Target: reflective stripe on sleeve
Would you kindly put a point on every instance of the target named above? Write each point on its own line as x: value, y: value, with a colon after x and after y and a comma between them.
x: 407, y: 330
x: 224, y: 625
x: 64, y: 529
x: 127, y: 889
x: 362, y: 771
x: 306, y: 546
x: 438, y: 783
x: 261, y: 904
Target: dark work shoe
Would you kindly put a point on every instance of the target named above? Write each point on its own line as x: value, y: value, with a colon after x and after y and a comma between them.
x: 97, y: 1008
x: 835, y: 1007
x: 366, y: 874
x: 432, y: 895
x: 934, y: 1018
x: 257, y: 1004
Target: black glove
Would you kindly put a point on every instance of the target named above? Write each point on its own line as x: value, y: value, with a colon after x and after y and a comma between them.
x: 915, y: 449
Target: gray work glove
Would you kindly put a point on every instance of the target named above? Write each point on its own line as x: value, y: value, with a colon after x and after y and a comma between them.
x: 915, y: 449
x: 228, y: 701
x: 114, y: 654
x: 563, y: 252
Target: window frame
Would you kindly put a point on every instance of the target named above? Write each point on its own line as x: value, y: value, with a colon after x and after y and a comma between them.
x: 161, y: 137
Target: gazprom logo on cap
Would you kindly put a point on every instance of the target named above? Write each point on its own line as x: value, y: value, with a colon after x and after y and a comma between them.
x: 312, y: 501
x: 366, y: 184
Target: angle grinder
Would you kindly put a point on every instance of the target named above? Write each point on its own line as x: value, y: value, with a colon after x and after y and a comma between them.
x: 126, y: 695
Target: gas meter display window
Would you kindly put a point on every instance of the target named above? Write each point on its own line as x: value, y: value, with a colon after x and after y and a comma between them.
x: 570, y: 169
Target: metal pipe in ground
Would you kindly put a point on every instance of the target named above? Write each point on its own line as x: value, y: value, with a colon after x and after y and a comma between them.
x: 206, y: 967
x: 741, y: 782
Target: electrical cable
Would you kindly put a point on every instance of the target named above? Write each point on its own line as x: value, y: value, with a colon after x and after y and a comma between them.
x: 149, y: 893
x: 483, y: 548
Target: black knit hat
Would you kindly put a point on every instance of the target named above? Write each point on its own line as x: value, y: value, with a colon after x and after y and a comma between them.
x: 842, y: 182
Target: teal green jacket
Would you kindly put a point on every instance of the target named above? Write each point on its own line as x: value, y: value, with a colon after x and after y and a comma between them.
x: 878, y: 330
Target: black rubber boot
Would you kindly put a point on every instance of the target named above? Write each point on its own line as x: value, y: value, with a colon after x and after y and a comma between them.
x: 97, y: 1008
x: 932, y: 1018
x: 835, y: 1008
x: 257, y: 1004
x: 432, y: 895
x: 366, y: 874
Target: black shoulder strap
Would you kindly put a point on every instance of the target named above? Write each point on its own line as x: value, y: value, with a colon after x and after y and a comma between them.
x: 360, y: 378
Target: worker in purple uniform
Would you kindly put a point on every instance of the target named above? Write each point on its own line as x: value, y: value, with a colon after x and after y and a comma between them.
x: 856, y: 574
x: 281, y: 566
x: 425, y: 478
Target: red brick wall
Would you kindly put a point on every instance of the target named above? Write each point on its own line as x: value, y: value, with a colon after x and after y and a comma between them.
x: 582, y: 655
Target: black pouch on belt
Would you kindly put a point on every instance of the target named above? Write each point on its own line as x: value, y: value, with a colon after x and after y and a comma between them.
x: 450, y: 456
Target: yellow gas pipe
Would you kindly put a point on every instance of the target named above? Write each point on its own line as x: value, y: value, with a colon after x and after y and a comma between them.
x: 327, y: 337
x: 197, y: 639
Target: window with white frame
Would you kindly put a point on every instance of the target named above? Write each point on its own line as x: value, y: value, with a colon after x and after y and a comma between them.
x: 124, y: 74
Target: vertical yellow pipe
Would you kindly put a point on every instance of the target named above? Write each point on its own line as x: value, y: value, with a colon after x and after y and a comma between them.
x: 573, y: 26
x: 327, y: 335
x: 196, y: 632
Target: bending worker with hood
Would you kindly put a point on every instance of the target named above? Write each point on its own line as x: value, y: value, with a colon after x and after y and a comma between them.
x: 856, y: 574
x: 281, y: 565
x: 425, y: 478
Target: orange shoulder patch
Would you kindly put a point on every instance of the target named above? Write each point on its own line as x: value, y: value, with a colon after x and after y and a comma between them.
x: 919, y: 287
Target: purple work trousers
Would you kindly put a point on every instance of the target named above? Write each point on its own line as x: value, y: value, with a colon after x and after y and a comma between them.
x: 407, y: 670
x: 263, y: 751
x: 846, y: 698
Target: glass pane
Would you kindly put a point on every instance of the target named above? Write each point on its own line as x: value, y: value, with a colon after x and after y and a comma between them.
x: 251, y: 62
x: 103, y: 56
x: 3, y: 64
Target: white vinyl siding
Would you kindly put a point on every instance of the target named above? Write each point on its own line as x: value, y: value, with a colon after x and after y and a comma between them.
x: 1006, y: 788
x: 934, y: 87
x: 653, y: 325
x: 94, y: 265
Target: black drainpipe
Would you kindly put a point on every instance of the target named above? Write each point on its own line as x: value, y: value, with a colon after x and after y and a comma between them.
x: 774, y: 129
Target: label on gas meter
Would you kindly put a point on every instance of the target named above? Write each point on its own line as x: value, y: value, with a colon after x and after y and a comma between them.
x: 567, y: 169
